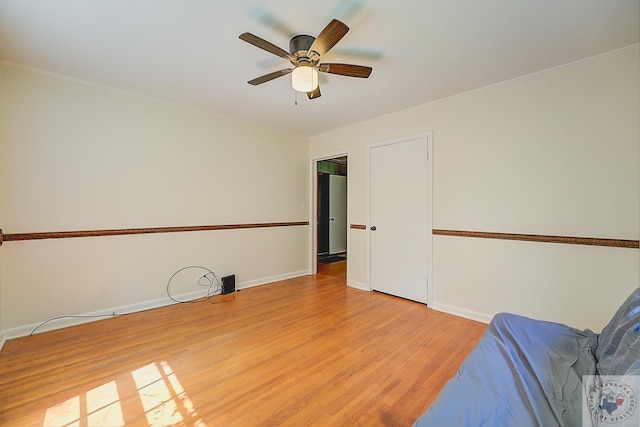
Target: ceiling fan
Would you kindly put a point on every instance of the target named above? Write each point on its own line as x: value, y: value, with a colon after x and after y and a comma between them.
x: 304, y: 54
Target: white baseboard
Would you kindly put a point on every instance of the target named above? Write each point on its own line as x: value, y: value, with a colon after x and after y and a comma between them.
x: 59, y: 323
x: 267, y: 280
x: 358, y: 285
x: 2, y: 339
x: 461, y: 312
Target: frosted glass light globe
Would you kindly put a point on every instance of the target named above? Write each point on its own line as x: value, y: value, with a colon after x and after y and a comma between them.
x: 304, y: 78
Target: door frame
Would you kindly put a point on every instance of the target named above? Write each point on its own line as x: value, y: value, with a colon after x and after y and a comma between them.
x: 313, y: 207
x: 429, y: 162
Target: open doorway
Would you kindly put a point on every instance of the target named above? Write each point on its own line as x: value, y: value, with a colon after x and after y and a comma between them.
x: 331, y: 210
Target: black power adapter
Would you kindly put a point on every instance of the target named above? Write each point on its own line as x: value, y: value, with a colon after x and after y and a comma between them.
x: 228, y: 284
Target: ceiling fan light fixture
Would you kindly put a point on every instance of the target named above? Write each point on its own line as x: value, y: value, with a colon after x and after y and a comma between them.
x: 304, y: 78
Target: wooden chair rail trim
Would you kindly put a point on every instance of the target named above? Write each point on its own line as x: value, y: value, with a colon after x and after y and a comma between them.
x: 618, y: 243
x: 125, y: 231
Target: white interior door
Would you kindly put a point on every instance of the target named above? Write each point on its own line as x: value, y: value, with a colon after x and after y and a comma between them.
x: 337, y: 214
x: 398, y: 219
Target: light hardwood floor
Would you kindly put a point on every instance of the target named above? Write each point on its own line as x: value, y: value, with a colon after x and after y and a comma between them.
x: 305, y: 351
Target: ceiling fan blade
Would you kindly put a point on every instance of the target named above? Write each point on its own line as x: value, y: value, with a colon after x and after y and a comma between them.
x: 263, y: 44
x: 269, y: 77
x: 314, y: 94
x: 346, y: 70
x: 330, y: 35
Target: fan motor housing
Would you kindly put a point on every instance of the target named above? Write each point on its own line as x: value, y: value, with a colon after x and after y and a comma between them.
x: 300, y: 43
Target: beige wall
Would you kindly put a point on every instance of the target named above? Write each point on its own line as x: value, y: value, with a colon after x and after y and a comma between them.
x: 81, y: 157
x: 554, y: 153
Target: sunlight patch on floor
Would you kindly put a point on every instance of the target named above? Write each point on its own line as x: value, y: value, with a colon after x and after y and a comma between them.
x: 99, y: 407
x: 161, y: 395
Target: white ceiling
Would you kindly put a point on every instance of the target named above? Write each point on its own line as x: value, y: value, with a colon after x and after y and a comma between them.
x: 188, y: 51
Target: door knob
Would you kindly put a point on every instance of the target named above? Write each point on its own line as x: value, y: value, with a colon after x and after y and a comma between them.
x: 332, y: 219
x: 373, y: 228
